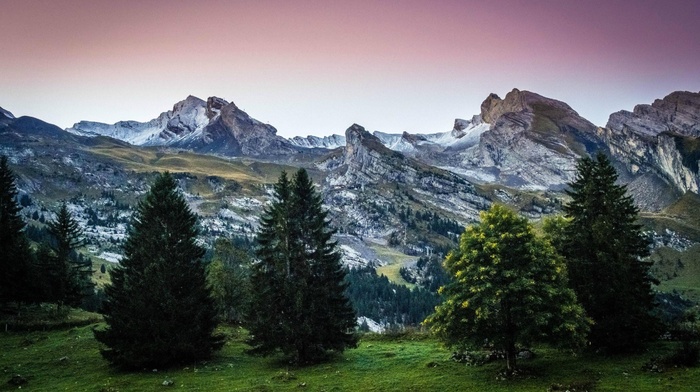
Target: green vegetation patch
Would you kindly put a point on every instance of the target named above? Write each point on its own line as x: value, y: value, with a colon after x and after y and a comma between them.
x: 69, y: 360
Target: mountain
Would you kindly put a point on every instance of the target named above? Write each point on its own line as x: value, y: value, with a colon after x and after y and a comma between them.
x: 367, y: 185
x: 658, y: 144
x: 212, y: 127
x: 5, y: 115
x: 392, y: 197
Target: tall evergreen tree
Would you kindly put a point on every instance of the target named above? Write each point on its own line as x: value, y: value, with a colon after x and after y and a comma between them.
x: 299, y: 305
x: 15, y: 253
x: 604, y: 245
x: 158, y: 308
x: 68, y: 276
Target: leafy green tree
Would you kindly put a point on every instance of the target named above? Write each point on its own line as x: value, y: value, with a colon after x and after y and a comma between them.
x: 554, y: 228
x: 299, y: 305
x: 604, y: 246
x: 68, y: 277
x: 15, y: 253
x: 158, y: 307
x: 228, y: 276
x: 509, y: 288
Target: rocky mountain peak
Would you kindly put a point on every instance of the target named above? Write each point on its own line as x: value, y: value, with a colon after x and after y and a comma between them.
x: 214, y: 106
x: 678, y: 112
x: 517, y: 101
x: 357, y: 139
x: 5, y: 113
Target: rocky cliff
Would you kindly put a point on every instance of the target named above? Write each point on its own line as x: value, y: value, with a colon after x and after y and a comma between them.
x: 659, y: 141
x: 368, y: 164
x: 529, y: 142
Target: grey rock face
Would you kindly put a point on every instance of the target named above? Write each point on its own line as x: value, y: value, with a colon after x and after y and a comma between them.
x: 368, y: 162
x: 659, y: 139
x: 531, y: 142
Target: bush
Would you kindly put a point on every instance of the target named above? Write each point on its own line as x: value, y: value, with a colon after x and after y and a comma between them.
x: 687, y: 355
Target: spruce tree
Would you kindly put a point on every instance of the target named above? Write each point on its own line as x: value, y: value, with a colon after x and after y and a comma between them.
x: 15, y: 253
x: 299, y: 305
x: 604, y: 246
x: 158, y: 309
x: 68, y: 277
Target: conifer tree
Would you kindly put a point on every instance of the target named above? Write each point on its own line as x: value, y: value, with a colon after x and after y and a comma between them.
x: 299, y: 304
x: 508, y: 288
x: 158, y: 308
x: 15, y: 253
x: 68, y: 277
x: 604, y: 245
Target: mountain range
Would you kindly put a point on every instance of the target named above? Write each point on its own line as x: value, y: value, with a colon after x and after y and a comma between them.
x: 519, y: 150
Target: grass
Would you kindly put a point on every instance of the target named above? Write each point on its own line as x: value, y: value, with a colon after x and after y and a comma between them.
x: 150, y: 159
x: 679, y: 271
x: 395, y: 260
x: 69, y: 360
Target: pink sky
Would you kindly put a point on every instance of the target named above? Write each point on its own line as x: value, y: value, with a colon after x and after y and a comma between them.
x: 316, y: 67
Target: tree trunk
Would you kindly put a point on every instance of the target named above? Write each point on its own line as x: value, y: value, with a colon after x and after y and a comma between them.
x: 511, y: 355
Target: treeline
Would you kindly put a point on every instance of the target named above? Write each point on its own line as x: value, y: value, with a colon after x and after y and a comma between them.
x: 427, y: 273
x: 51, y: 272
x: 387, y: 303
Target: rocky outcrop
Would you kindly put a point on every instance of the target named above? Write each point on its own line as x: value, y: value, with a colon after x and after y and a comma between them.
x: 367, y: 161
x: 660, y: 140
x: 531, y: 142
x: 678, y: 112
x: 4, y: 114
x: 233, y: 132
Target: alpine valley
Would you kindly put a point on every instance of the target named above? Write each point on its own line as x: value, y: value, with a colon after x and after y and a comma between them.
x: 392, y: 197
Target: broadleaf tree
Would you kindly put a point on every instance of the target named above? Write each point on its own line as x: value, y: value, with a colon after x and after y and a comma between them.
x: 158, y: 308
x: 228, y: 276
x: 508, y: 289
x: 604, y: 245
x: 299, y: 305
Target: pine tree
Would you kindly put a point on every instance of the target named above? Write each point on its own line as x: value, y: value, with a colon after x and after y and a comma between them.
x: 158, y: 308
x: 68, y: 277
x: 15, y: 253
x: 508, y: 288
x: 604, y: 245
x: 299, y: 303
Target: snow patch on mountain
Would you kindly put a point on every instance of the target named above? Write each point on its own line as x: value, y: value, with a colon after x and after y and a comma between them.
x: 188, y: 117
x: 465, y: 134
x: 328, y: 142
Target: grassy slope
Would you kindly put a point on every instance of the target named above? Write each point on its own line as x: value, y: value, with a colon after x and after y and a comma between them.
x: 70, y: 360
x: 679, y: 271
x: 395, y: 260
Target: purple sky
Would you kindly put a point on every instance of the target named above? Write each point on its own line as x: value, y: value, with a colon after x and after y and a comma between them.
x: 316, y: 67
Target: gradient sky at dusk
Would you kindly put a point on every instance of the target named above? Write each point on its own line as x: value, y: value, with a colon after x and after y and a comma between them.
x: 316, y: 67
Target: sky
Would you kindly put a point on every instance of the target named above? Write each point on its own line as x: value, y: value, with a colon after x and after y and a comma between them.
x: 317, y: 67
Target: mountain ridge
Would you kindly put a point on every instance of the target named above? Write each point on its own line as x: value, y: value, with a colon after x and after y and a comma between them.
x: 524, y: 141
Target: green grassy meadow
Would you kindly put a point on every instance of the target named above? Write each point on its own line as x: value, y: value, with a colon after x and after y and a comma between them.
x: 69, y: 360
